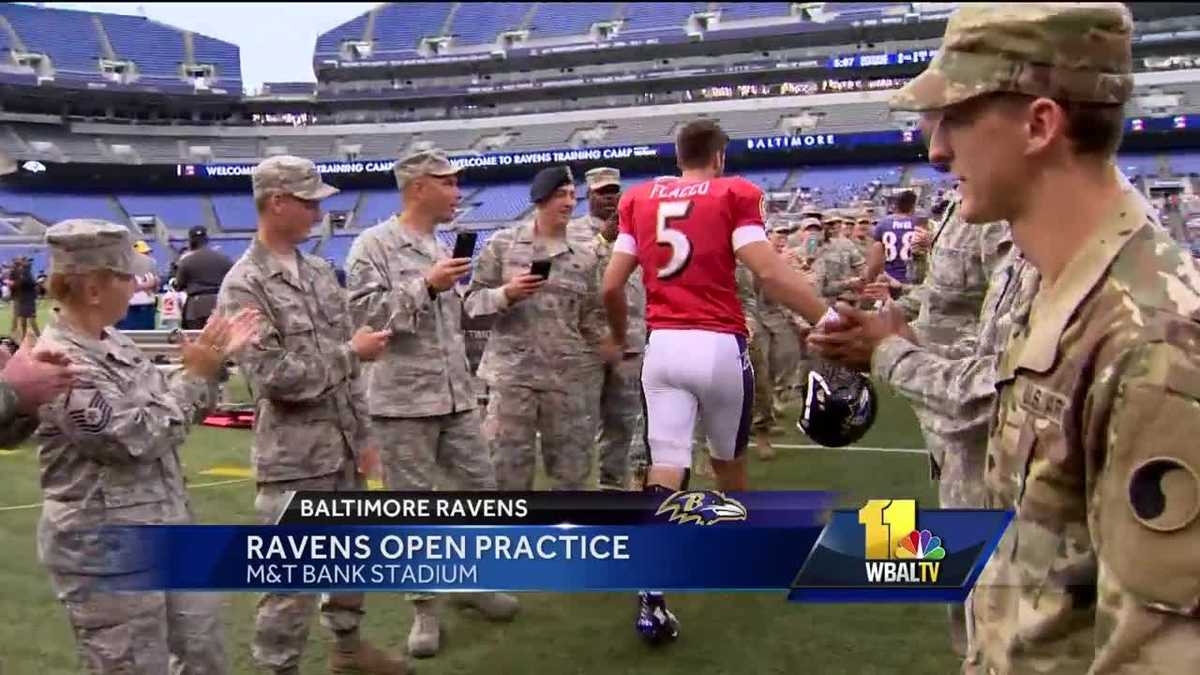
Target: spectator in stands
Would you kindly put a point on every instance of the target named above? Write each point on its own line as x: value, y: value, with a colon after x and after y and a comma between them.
x: 143, y: 302
x: 24, y: 295
x: 199, y: 275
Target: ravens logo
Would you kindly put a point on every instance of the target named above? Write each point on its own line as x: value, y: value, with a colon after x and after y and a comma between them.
x: 702, y: 507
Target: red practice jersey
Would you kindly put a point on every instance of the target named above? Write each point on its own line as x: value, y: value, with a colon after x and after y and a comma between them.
x: 684, y: 233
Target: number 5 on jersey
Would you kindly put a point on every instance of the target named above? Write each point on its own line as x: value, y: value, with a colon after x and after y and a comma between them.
x: 681, y: 248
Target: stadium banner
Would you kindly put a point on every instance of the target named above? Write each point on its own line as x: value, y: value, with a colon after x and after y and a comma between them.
x: 744, y: 154
x: 701, y: 540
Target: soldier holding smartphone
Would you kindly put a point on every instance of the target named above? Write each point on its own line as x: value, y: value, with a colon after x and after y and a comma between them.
x: 419, y: 391
x: 542, y: 290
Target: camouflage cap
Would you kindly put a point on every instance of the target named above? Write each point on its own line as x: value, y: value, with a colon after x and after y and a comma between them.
x: 602, y: 176
x: 1079, y: 51
x: 291, y: 175
x: 784, y: 225
x: 811, y: 223
x: 84, y: 245
x: 431, y: 162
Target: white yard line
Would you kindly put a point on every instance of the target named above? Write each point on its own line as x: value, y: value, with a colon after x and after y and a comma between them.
x: 785, y: 446
x: 26, y: 507
x: 853, y: 448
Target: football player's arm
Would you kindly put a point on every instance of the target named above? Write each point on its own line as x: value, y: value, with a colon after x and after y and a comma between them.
x: 612, y: 289
x: 621, y: 264
x: 781, y: 283
x: 874, y: 261
x: 485, y: 296
x: 778, y: 279
x: 1141, y: 418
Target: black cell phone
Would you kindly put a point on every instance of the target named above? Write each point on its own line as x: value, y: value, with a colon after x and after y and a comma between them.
x: 464, y: 244
x: 541, y: 268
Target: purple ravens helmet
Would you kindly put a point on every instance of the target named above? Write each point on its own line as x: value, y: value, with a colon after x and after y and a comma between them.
x: 838, y: 405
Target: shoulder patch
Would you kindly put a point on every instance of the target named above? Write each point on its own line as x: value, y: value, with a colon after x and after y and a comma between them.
x: 89, y: 414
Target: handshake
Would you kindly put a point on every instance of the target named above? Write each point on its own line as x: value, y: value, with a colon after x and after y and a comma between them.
x: 852, y: 337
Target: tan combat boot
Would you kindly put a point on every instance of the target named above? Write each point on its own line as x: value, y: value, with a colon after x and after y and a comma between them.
x: 493, y: 606
x: 359, y: 657
x: 425, y: 637
x: 762, y: 444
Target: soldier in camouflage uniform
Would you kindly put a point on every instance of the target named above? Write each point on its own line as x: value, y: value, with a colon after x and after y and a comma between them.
x: 618, y: 387
x: 841, y: 262
x: 545, y: 333
x: 780, y: 338
x: 1092, y: 437
x: 311, y: 422
x: 419, y: 392
x: 28, y: 379
x: 109, y: 455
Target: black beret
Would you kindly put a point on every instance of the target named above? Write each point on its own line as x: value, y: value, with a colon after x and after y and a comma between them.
x: 547, y: 181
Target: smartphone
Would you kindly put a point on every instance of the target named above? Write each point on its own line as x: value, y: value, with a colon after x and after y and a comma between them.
x: 464, y: 244
x: 541, y: 268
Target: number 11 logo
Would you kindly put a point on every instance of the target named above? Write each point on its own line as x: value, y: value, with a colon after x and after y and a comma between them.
x: 887, y: 522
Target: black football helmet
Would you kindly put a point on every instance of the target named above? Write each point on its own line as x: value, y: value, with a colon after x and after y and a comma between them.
x: 837, y: 405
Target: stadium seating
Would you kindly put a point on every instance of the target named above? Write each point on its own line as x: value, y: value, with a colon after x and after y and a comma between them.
x: 42, y: 31
x: 551, y: 22
x: 740, y: 11
x: 498, y: 202
x: 481, y: 22
x: 235, y: 212
x: 177, y: 211
x: 157, y: 50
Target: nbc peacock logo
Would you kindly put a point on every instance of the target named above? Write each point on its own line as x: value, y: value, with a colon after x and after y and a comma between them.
x: 921, y: 545
x: 895, y: 550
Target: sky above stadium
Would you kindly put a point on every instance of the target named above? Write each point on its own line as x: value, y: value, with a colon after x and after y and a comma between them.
x: 276, y: 39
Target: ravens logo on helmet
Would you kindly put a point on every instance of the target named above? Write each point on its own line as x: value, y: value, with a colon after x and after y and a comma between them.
x: 839, y: 405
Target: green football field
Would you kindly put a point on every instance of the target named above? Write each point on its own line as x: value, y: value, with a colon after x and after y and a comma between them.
x: 555, y: 633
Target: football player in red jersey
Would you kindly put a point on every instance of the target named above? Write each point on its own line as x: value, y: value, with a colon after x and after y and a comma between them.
x: 688, y: 233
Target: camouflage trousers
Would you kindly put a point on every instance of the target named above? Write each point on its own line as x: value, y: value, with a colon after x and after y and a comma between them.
x: 781, y: 354
x: 617, y: 408
x: 960, y: 486
x: 516, y: 415
x: 149, y: 633
x: 282, y: 620
x: 763, y: 419
x: 417, y: 453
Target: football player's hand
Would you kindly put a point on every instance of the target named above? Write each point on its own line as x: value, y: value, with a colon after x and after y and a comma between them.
x: 522, y: 287
x: 610, y: 350
x: 853, y: 347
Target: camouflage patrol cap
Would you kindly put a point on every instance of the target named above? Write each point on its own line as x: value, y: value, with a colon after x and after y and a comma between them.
x: 1079, y: 51
x: 291, y: 175
x: 431, y: 162
x: 602, y: 176
x: 83, y: 245
x: 811, y: 223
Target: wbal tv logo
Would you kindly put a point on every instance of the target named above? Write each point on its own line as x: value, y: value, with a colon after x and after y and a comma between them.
x: 896, y: 551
